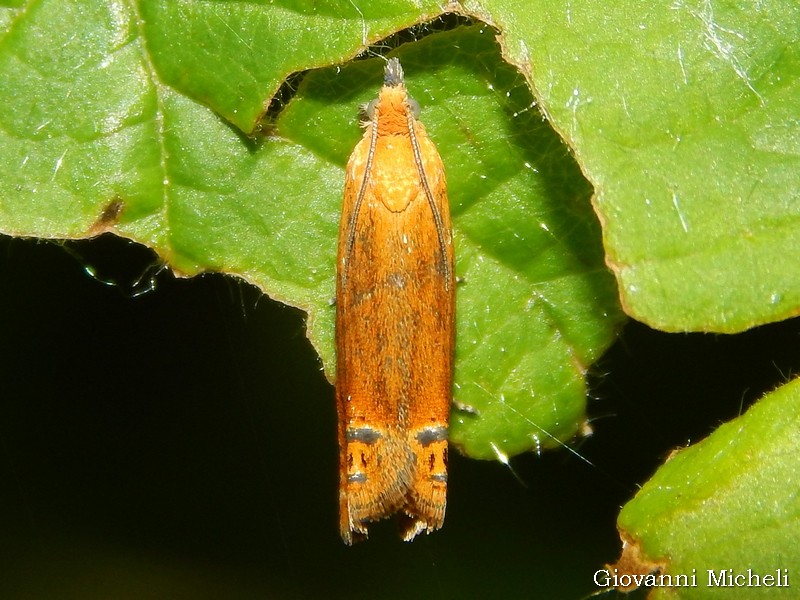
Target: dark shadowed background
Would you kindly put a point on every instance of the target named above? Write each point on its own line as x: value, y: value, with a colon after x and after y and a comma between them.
x: 180, y: 443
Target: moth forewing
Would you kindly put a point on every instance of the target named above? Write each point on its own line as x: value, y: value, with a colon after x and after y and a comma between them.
x: 395, y: 305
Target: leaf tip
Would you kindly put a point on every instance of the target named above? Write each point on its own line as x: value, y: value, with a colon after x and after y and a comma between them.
x: 632, y: 568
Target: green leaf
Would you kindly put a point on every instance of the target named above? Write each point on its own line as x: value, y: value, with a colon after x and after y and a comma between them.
x: 530, y: 309
x: 684, y: 117
x: 233, y: 56
x: 728, y: 502
x: 98, y: 141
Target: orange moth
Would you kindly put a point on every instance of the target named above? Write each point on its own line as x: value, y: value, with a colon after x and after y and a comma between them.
x: 395, y: 304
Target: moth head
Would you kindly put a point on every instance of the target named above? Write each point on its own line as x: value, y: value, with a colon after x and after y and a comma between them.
x: 368, y: 110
